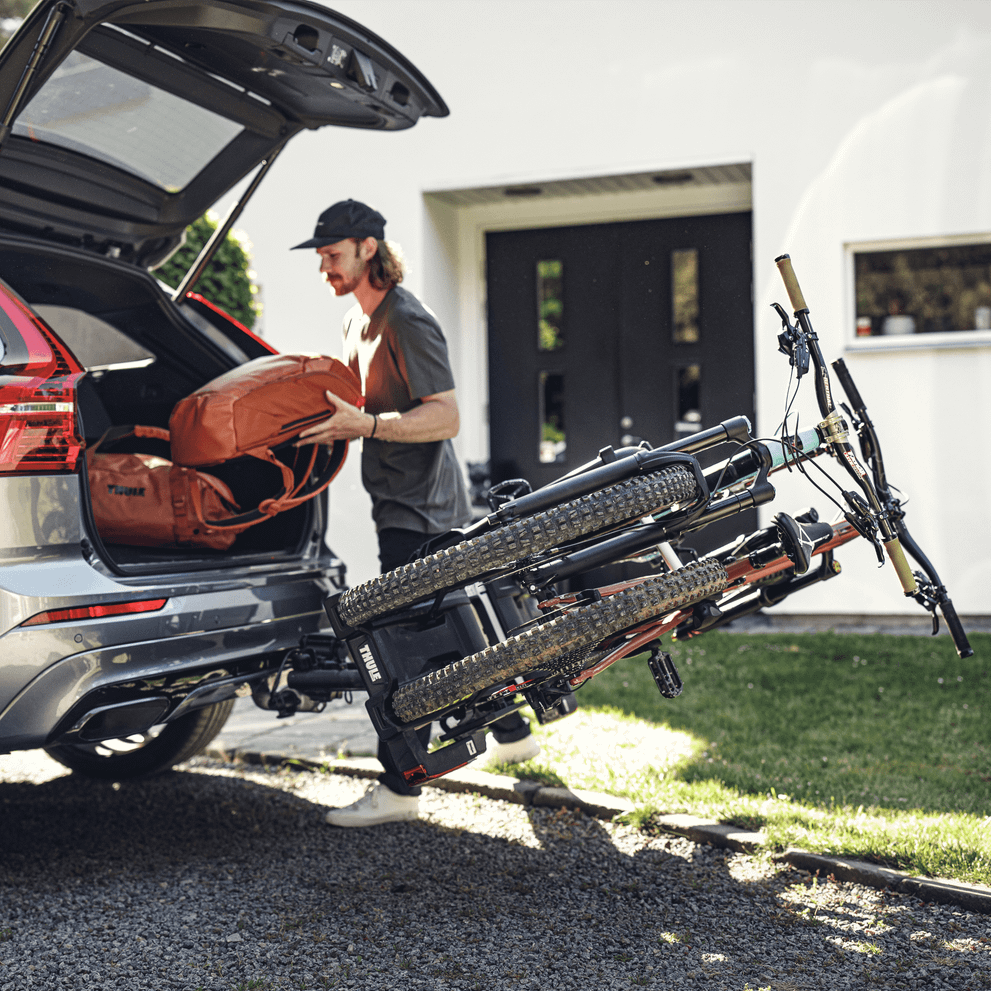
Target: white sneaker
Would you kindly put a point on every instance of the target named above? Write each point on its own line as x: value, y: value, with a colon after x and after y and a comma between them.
x: 379, y: 804
x: 515, y: 752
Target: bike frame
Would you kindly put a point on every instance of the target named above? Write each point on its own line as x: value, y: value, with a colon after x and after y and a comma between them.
x: 763, y: 568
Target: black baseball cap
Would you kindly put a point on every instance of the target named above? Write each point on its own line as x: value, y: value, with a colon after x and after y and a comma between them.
x: 349, y: 218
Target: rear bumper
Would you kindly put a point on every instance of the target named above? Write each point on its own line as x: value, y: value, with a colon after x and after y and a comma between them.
x: 197, y: 651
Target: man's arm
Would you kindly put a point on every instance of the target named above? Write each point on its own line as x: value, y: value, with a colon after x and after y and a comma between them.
x: 436, y: 418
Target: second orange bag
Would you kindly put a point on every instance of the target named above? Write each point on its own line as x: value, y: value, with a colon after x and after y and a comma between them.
x: 146, y: 501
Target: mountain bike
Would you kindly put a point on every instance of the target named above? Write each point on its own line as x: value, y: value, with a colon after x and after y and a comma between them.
x: 477, y: 626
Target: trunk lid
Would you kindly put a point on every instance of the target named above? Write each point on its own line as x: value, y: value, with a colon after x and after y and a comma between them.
x: 123, y: 122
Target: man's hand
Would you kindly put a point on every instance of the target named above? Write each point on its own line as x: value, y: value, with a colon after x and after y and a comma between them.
x: 435, y: 418
x: 347, y: 423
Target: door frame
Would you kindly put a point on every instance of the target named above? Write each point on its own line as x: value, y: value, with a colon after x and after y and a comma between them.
x: 458, y: 219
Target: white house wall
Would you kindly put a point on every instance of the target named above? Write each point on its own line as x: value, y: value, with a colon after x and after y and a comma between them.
x: 863, y: 122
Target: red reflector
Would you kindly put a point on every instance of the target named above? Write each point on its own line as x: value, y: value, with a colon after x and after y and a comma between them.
x: 94, y: 612
x: 37, y: 398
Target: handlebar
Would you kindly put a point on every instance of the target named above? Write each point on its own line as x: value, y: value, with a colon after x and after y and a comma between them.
x: 882, y: 511
x: 846, y: 380
x: 790, y: 280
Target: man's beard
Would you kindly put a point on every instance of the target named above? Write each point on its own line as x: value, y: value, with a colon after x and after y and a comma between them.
x: 345, y: 284
x: 342, y: 285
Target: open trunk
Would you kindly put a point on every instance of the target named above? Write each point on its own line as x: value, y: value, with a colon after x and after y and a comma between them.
x: 142, y: 355
x: 121, y: 122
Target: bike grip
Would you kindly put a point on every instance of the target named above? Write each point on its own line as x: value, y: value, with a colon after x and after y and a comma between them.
x: 956, y: 629
x: 791, y: 282
x: 902, y: 567
x: 846, y: 380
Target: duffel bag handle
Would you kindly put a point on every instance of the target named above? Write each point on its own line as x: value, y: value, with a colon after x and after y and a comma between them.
x: 288, y: 498
x: 116, y: 434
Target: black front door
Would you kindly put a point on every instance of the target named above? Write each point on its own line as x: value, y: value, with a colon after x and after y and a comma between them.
x: 608, y: 334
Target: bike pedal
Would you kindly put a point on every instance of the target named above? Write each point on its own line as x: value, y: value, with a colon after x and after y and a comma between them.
x: 665, y: 674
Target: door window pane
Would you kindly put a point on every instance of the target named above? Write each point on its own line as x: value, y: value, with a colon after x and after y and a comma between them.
x: 553, y: 443
x: 923, y: 290
x: 550, y: 304
x: 685, y: 296
x: 688, y: 383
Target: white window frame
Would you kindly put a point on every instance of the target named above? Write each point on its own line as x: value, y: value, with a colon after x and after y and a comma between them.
x: 906, y: 342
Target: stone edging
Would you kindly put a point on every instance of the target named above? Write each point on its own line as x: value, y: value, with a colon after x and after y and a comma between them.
x: 976, y: 898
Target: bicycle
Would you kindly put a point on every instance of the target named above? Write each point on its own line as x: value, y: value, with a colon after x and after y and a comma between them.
x: 477, y: 627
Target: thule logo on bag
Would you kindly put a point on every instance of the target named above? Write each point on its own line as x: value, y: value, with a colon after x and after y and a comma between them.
x: 125, y: 490
x: 368, y: 659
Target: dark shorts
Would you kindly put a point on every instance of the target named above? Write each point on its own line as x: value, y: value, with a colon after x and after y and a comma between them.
x: 397, y: 546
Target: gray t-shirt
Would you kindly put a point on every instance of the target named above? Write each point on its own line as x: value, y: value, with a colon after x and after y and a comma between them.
x: 400, y: 355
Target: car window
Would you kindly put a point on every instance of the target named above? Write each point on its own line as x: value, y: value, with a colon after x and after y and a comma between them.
x: 89, y: 107
x: 98, y: 346
x: 214, y: 333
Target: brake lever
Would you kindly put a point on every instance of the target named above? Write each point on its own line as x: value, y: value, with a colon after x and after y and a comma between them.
x: 791, y: 341
x: 927, y: 598
x: 860, y: 518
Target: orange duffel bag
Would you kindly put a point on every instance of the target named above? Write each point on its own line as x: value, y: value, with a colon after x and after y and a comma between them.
x: 255, y: 408
x: 147, y: 501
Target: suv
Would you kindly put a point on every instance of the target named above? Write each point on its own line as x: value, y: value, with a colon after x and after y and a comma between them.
x: 122, y: 122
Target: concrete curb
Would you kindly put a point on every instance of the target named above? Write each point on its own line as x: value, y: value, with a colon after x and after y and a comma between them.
x: 974, y: 897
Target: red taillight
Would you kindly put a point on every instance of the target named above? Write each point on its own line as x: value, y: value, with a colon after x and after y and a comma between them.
x: 94, y: 612
x: 37, y: 398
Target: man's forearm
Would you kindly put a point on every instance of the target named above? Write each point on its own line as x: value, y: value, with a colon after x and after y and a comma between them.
x: 436, y: 418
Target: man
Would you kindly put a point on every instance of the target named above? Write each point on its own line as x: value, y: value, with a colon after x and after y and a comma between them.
x: 408, y: 465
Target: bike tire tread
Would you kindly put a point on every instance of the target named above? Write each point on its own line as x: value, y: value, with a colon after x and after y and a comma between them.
x: 509, y: 544
x: 539, y: 648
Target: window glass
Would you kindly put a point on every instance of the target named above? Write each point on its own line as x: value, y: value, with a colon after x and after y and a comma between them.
x: 91, y: 108
x: 96, y: 345
x: 550, y: 304
x: 553, y: 441
x: 685, y: 296
x: 923, y: 290
x: 688, y: 386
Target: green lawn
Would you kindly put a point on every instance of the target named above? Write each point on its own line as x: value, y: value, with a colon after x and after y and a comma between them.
x: 868, y: 746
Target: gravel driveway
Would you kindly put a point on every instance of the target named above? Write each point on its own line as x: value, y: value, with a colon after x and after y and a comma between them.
x: 221, y: 877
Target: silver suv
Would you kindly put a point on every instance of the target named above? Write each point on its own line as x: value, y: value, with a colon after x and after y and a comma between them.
x: 123, y: 122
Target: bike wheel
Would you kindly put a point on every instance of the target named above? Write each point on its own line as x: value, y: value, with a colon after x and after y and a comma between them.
x: 509, y: 544
x: 545, y: 647
x: 145, y: 754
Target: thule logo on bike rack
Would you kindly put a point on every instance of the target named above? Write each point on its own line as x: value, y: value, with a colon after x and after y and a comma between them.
x: 368, y: 659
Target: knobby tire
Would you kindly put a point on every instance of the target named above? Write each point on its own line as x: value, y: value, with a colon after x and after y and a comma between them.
x: 540, y: 648
x: 506, y: 545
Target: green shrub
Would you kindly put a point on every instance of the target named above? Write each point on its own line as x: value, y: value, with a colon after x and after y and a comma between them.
x: 228, y: 281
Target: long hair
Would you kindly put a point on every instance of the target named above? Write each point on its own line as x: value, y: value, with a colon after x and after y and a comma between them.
x: 387, y: 267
